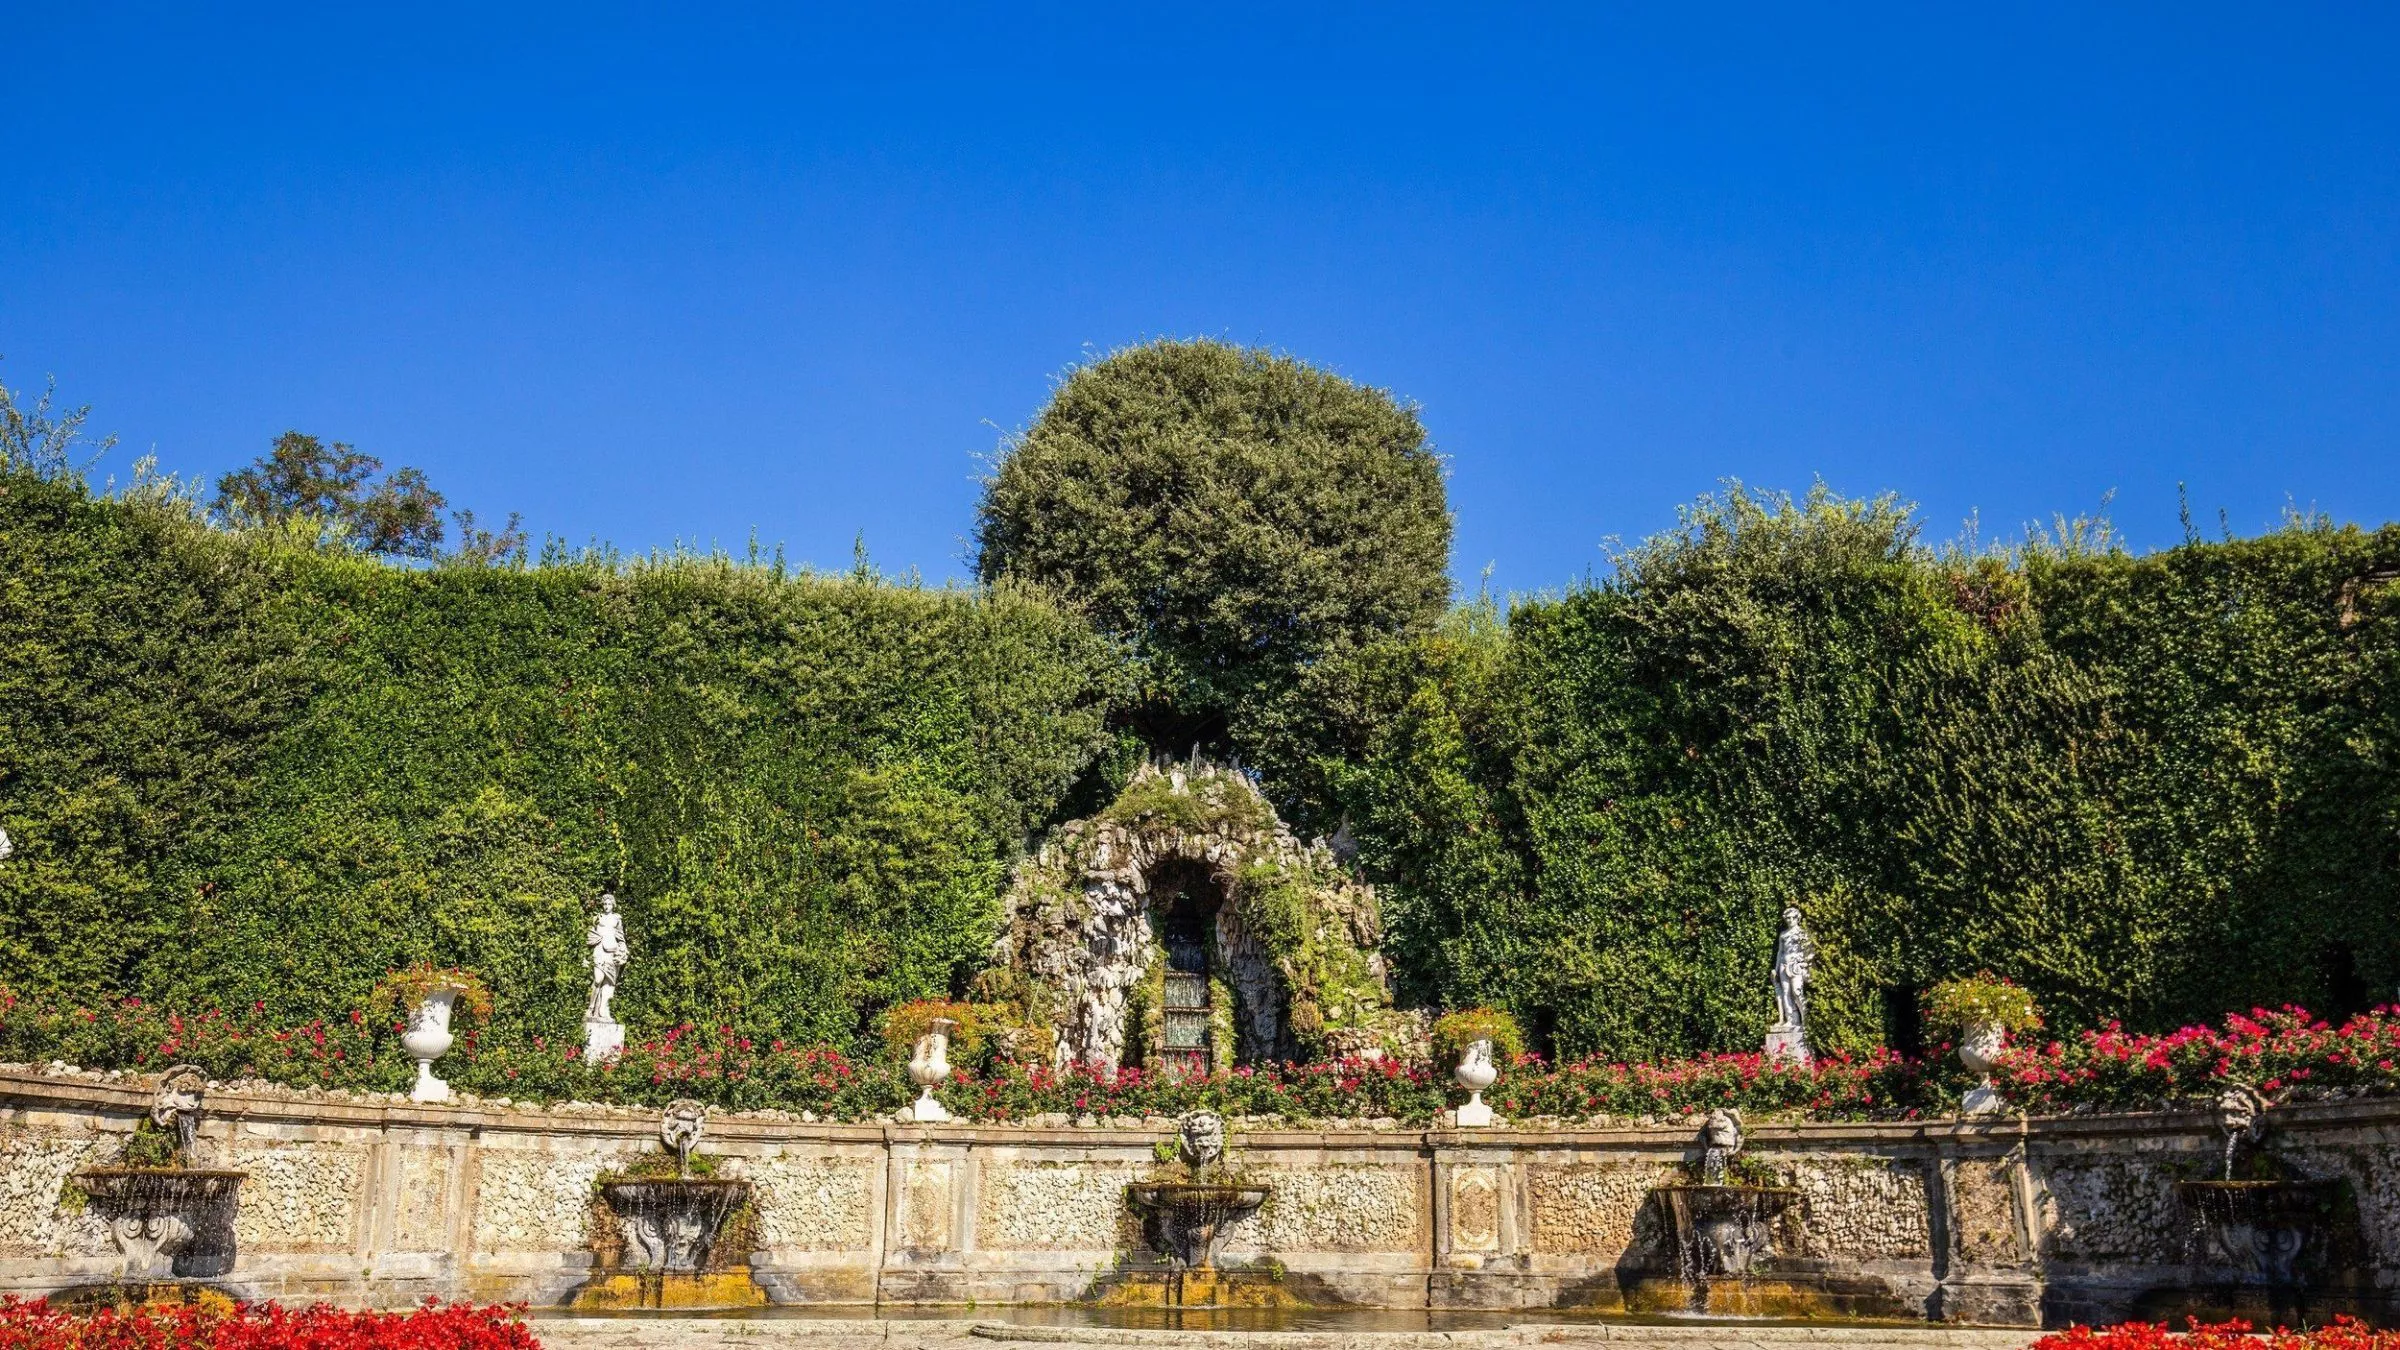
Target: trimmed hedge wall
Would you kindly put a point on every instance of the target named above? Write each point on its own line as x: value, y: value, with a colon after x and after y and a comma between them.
x: 239, y: 771
x: 2148, y: 788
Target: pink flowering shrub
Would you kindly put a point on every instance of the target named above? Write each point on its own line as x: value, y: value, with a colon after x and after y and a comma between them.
x: 1836, y: 1086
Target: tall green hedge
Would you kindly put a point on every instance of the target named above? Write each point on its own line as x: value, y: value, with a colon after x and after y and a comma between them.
x: 2151, y: 788
x: 240, y: 770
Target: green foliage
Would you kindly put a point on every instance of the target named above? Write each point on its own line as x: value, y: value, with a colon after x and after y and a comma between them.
x: 1953, y: 1006
x: 1454, y: 1032
x: 904, y: 1024
x: 36, y: 440
x: 1208, y: 804
x: 149, y: 1146
x: 242, y: 770
x: 1239, y: 518
x: 301, y: 478
x: 401, y: 992
x: 2143, y: 788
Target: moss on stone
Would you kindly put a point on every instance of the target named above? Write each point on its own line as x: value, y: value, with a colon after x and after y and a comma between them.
x: 1203, y: 803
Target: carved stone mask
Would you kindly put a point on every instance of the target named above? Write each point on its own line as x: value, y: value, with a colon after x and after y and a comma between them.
x: 2239, y: 1109
x: 180, y: 1091
x: 680, y: 1129
x: 1202, y: 1138
x: 1723, y: 1130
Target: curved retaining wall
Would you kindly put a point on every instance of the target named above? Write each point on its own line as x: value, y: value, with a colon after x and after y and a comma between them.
x: 386, y: 1203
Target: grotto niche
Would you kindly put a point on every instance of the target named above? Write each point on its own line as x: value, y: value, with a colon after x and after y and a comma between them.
x: 1185, y: 928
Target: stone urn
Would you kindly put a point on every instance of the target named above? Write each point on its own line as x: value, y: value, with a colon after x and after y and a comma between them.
x: 1979, y: 1049
x: 427, y: 1039
x: 1475, y: 1072
x: 928, y: 1068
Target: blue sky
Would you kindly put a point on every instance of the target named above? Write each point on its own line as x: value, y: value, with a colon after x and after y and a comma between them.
x: 650, y: 276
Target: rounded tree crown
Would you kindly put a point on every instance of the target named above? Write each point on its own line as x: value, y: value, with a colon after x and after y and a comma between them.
x: 1233, y: 513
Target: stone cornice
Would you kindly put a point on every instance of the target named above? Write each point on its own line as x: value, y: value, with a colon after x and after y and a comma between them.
x: 24, y: 1088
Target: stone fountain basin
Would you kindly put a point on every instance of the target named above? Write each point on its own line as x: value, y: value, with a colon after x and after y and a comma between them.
x: 676, y: 1221
x: 1723, y: 1230
x: 1194, y: 1216
x: 664, y: 1190
x: 1700, y: 1201
x: 2273, y: 1203
x: 1195, y: 1195
x: 157, y: 1188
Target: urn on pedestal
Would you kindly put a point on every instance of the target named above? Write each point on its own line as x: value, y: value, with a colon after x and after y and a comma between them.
x: 1473, y: 1040
x: 429, y: 1000
x: 1981, y: 1011
x: 1475, y: 1072
x: 1979, y: 1049
x: 928, y: 1068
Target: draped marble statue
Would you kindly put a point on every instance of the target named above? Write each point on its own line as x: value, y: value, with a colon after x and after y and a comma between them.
x: 1795, y: 954
x: 602, y: 1034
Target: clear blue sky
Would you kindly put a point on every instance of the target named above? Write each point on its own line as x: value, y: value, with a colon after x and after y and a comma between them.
x: 692, y: 273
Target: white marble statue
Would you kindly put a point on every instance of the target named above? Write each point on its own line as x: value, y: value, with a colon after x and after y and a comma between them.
x: 1795, y: 953
x: 602, y: 1034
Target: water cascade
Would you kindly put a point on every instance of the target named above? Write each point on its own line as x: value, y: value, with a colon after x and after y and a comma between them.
x: 2260, y: 1231
x: 170, y: 1221
x: 1190, y: 1218
x: 673, y: 1229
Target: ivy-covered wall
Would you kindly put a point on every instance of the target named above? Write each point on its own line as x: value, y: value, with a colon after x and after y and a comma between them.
x: 2151, y: 788
x: 240, y: 771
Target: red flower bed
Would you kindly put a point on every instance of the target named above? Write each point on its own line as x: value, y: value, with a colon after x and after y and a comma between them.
x: 2345, y: 1334
x: 2286, y: 1054
x: 38, y: 1326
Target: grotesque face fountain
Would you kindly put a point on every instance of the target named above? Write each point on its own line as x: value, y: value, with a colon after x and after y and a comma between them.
x: 1202, y: 1139
x: 176, y: 1107
x: 680, y: 1130
x: 1190, y: 1217
x: 1720, y: 1139
x: 2241, y: 1115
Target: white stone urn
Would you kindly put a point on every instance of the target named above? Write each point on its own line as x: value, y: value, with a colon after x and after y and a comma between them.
x: 1475, y: 1072
x: 1979, y: 1049
x: 427, y: 1039
x: 928, y: 1068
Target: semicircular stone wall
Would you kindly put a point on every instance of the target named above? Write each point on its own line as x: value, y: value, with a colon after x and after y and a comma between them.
x: 371, y: 1201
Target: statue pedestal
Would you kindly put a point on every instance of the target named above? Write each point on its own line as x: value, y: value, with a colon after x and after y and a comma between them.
x: 1982, y: 1100
x: 1787, y: 1043
x: 602, y: 1039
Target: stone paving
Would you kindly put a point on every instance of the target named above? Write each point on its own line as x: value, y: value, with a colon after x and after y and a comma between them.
x: 702, y: 1333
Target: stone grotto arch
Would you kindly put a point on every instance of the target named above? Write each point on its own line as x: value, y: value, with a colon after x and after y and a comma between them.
x: 1189, y: 884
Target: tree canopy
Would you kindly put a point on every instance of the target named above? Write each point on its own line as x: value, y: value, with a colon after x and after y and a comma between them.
x: 1235, y: 515
x: 401, y: 514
